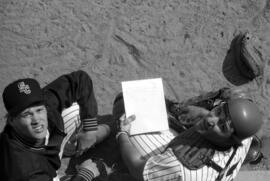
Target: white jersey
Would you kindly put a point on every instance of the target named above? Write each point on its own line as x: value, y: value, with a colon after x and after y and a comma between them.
x: 71, y: 118
x: 163, y: 165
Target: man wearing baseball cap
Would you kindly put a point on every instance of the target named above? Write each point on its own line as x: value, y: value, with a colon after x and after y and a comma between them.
x: 40, y: 122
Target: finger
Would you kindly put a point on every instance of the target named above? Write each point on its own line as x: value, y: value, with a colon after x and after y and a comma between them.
x: 130, y: 119
x: 123, y: 117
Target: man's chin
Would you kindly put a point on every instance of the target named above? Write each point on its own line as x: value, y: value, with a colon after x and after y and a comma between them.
x: 40, y: 135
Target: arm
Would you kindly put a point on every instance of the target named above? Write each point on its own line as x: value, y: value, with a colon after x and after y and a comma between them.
x: 131, y: 157
x: 69, y: 88
x: 76, y: 87
x: 205, y: 100
x: 208, y: 99
x: 129, y: 153
x: 164, y: 166
x: 82, y: 175
x: 85, y: 172
x: 181, y: 115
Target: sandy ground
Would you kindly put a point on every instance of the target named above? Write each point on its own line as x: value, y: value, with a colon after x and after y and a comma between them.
x: 183, y: 41
x: 254, y: 175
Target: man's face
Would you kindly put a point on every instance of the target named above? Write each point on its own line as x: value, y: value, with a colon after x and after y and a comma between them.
x: 217, y: 126
x: 32, y: 123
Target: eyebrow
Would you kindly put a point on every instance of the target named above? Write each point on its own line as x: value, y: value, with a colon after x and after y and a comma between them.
x: 28, y: 109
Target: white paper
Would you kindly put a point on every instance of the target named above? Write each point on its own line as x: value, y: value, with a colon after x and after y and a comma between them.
x: 145, y: 99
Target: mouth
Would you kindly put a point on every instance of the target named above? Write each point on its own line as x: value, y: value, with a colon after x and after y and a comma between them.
x: 38, y: 129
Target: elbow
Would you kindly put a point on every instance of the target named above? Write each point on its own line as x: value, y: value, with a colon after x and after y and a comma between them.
x: 136, y: 174
x: 83, y: 75
x: 136, y: 170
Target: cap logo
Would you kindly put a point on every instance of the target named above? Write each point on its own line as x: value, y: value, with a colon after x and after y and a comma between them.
x: 24, y: 88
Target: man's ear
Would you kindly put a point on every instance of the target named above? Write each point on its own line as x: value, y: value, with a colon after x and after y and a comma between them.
x: 10, y: 120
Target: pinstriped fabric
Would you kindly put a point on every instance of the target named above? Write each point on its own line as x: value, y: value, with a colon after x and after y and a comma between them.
x: 71, y: 117
x: 57, y: 179
x: 162, y: 167
x: 165, y: 166
x: 151, y: 144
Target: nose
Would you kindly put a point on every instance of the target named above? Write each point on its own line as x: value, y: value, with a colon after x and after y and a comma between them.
x: 35, y: 119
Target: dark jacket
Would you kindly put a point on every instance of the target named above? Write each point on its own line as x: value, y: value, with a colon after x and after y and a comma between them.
x: 19, y: 162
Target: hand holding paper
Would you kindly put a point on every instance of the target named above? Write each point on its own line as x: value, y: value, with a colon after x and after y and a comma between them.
x: 145, y: 99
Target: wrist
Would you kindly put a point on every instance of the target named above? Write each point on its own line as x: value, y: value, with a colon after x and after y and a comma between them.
x: 120, y: 133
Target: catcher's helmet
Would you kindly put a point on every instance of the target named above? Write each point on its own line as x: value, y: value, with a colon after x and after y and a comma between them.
x: 245, y: 116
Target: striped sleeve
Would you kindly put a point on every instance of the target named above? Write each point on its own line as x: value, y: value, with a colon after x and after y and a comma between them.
x: 90, y: 124
x: 163, y: 166
x: 86, y: 174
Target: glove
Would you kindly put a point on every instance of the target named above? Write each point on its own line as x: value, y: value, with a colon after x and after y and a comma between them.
x: 249, y: 58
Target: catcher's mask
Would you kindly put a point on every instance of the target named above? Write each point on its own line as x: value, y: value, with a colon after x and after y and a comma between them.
x: 225, y: 121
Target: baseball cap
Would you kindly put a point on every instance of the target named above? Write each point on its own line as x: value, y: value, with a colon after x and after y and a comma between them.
x: 22, y: 94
